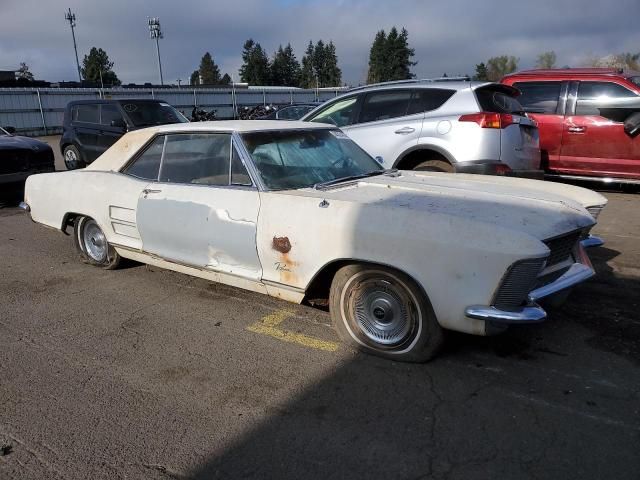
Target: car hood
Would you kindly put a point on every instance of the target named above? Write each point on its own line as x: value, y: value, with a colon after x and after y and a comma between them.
x: 12, y: 142
x: 505, y: 204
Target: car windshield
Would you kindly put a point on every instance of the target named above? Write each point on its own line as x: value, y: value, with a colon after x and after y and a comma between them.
x: 146, y: 114
x: 293, y: 159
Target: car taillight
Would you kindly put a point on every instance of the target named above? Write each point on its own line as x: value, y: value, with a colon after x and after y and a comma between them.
x: 490, y: 119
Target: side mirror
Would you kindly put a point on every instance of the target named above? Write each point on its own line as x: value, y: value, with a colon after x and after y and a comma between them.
x: 10, y: 130
x: 119, y: 124
x: 632, y: 125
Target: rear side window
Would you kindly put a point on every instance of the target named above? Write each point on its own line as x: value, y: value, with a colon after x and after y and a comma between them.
x: 539, y: 97
x: 595, y: 96
x: 110, y: 113
x: 202, y: 159
x: 384, y: 105
x: 427, y: 99
x: 492, y: 100
x: 147, y: 165
x: 87, y: 113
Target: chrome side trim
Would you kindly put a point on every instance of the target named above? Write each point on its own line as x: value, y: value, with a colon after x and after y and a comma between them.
x: 24, y: 206
x: 591, y: 241
x: 529, y: 314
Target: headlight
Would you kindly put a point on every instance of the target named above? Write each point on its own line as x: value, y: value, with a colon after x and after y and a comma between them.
x: 595, y: 211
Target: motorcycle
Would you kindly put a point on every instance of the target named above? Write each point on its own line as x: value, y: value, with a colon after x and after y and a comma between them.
x: 201, y: 115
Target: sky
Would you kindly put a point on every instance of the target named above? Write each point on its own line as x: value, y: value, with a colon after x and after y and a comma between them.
x: 448, y: 36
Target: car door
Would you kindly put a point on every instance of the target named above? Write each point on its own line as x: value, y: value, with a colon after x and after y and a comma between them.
x: 203, y: 211
x: 112, y: 126
x: 388, y: 123
x: 545, y: 102
x: 86, y: 124
x: 594, y: 141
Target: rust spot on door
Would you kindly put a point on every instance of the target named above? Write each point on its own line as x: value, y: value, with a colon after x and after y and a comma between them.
x: 281, y: 244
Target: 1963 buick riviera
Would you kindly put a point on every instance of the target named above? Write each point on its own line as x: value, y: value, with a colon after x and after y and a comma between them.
x: 299, y: 211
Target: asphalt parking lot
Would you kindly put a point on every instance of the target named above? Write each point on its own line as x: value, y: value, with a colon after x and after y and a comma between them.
x: 146, y: 373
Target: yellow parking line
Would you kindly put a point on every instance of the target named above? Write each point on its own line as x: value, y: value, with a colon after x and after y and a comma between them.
x: 270, y: 324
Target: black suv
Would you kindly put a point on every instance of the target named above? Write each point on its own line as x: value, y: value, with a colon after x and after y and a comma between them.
x: 91, y: 126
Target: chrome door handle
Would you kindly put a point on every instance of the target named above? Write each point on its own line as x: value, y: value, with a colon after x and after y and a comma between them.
x: 147, y: 191
x: 576, y: 129
x: 405, y: 131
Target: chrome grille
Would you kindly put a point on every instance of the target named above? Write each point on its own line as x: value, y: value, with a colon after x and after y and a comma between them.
x: 561, y: 247
x: 517, y: 283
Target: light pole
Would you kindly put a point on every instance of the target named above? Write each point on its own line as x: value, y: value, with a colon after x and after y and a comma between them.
x: 156, y: 33
x: 71, y: 18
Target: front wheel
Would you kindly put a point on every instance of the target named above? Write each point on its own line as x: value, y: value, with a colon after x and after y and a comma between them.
x: 72, y: 158
x: 92, y: 244
x: 381, y: 311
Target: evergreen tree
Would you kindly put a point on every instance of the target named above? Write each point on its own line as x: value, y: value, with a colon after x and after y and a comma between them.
x: 376, y: 58
x: 481, y: 72
x: 225, y: 80
x: 320, y: 66
x: 333, y: 76
x: 285, y: 69
x: 307, y: 73
x: 97, y: 64
x: 390, y: 57
x: 195, y: 78
x: 255, y: 66
x: 209, y: 71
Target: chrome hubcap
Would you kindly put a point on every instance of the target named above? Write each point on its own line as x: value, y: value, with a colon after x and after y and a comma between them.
x: 382, y: 311
x: 95, y: 243
x: 70, y: 158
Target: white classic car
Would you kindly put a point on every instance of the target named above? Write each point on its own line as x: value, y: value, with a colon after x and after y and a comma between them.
x: 298, y: 211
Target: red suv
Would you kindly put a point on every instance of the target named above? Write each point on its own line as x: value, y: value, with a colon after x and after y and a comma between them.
x: 589, y: 121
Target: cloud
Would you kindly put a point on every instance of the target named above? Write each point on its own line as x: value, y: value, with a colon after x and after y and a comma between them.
x: 447, y: 37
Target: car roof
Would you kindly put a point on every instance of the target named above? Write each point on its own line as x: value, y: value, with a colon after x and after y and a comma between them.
x: 570, y: 72
x: 241, y: 126
x: 117, y: 100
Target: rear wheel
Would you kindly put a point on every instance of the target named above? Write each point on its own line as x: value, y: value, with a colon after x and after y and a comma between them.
x: 72, y: 158
x: 92, y: 244
x: 435, y: 166
x: 381, y: 311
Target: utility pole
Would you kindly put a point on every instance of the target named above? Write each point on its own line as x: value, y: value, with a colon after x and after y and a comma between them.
x: 156, y: 33
x: 71, y: 18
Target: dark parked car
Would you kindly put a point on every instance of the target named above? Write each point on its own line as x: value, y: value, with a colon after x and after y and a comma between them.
x: 91, y: 126
x: 294, y: 111
x: 22, y: 156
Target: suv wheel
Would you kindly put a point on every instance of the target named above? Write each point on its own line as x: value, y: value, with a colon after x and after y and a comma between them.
x: 72, y: 158
x: 434, y: 166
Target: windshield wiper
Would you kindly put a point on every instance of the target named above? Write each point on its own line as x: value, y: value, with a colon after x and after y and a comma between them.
x: 328, y: 183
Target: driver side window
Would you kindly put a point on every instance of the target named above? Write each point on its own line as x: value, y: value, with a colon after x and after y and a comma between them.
x: 340, y: 113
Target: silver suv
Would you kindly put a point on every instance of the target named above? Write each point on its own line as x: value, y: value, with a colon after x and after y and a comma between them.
x: 449, y: 126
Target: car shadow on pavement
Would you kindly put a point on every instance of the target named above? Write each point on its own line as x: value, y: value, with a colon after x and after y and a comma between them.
x: 535, y: 402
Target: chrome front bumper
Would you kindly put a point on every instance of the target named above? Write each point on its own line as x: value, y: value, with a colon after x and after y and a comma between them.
x: 532, y: 313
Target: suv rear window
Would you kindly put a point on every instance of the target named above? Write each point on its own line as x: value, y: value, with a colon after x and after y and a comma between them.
x: 86, y: 113
x: 428, y: 99
x: 539, y: 97
x: 385, y: 105
x: 493, y: 100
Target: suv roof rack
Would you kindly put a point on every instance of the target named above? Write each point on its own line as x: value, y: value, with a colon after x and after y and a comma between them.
x: 570, y: 71
x: 462, y: 78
